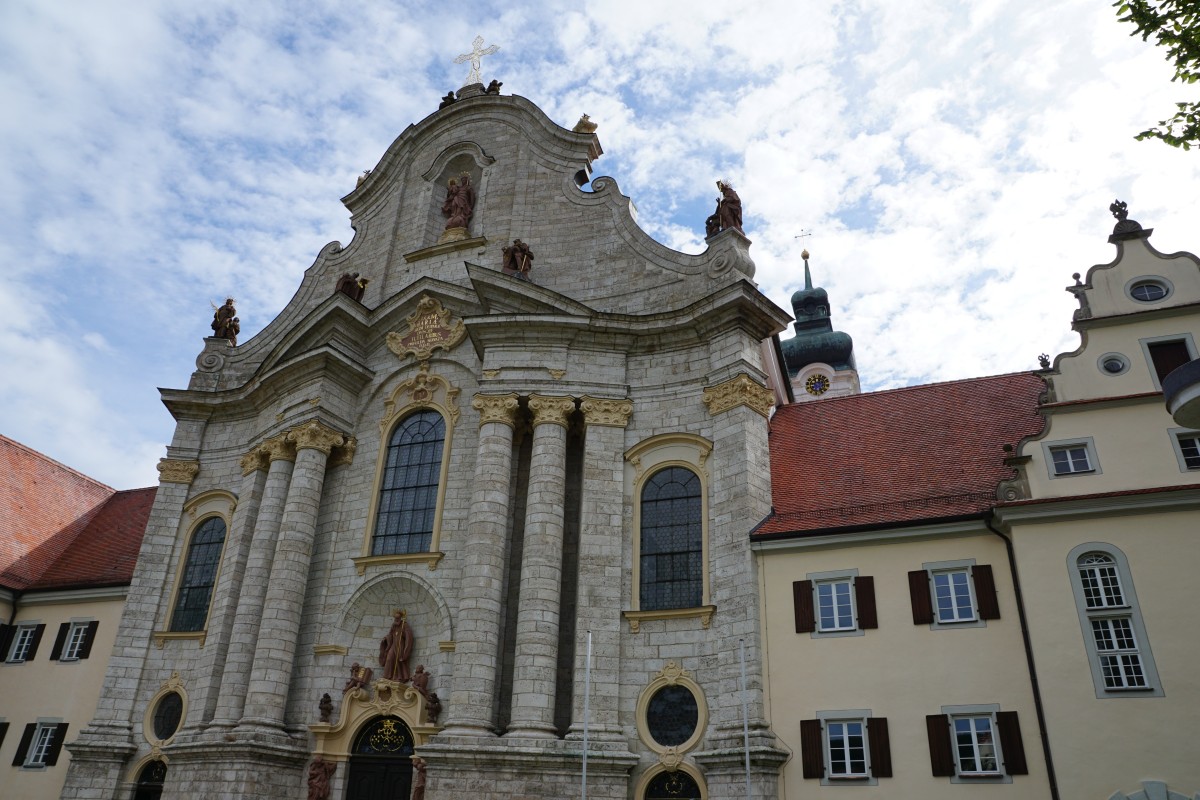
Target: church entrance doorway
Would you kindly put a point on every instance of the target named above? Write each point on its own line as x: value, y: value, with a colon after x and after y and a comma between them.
x: 381, y: 761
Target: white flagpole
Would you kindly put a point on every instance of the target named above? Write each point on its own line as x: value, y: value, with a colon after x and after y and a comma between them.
x: 587, y: 696
x: 745, y: 717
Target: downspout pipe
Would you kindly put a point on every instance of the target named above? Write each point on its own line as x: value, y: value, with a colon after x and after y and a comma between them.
x: 1033, y: 678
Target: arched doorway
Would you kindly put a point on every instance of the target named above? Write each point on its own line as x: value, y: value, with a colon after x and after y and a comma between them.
x: 676, y: 785
x: 150, y: 781
x: 381, y: 761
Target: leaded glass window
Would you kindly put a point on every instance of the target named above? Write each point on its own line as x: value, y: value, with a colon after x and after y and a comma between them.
x: 167, y: 715
x: 672, y: 546
x: 199, y: 576
x: 409, y: 489
x: 672, y: 715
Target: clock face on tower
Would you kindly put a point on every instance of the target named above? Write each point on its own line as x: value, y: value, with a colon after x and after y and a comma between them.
x: 816, y: 385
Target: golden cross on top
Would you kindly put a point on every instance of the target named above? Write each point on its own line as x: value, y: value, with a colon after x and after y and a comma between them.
x: 477, y: 52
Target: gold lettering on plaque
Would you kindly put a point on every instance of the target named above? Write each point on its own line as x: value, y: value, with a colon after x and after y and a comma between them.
x: 429, y: 327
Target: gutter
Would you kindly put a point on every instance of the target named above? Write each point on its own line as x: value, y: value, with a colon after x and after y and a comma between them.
x: 1033, y: 679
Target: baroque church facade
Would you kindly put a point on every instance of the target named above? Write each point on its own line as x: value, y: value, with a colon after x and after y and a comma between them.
x: 511, y: 480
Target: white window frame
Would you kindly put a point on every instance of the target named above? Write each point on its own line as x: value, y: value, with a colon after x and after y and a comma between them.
x: 1104, y: 576
x: 41, y: 744
x: 987, y: 711
x: 76, y: 638
x: 1178, y: 434
x: 969, y: 583
x: 22, y: 639
x: 839, y: 594
x: 1089, y: 446
x: 933, y: 568
x: 833, y: 577
x: 857, y: 716
x: 1108, y: 617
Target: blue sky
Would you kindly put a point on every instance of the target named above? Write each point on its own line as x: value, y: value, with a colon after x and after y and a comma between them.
x: 953, y: 162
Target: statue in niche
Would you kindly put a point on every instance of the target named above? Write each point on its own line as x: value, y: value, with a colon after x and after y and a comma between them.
x: 396, y: 647
x: 493, y: 87
x: 360, y: 677
x: 226, y: 324
x: 459, y: 203
x: 418, y: 783
x: 352, y: 286
x: 433, y: 707
x: 518, y: 260
x: 326, y: 707
x: 319, y: 774
x: 447, y: 100
x: 729, y: 211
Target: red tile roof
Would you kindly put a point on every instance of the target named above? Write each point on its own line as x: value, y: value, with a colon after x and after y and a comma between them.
x: 59, y: 528
x: 902, y: 456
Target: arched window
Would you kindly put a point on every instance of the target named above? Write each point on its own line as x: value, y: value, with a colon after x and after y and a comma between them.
x: 150, y: 781
x: 676, y: 785
x: 199, y: 576
x: 671, y: 563
x: 408, y: 493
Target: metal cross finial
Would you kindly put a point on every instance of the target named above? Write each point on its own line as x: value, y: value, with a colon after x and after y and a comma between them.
x: 477, y: 52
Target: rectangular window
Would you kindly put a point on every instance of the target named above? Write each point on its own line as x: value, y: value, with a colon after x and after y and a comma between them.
x: 835, y: 605
x: 22, y: 644
x: 952, y: 595
x: 1070, y: 460
x: 1168, y: 356
x: 1120, y: 661
x: 847, y: 748
x: 43, y: 741
x: 844, y: 746
x: 1101, y: 584
x: 1189, y: 449
x: 76, y: 638
x: 975, y: 745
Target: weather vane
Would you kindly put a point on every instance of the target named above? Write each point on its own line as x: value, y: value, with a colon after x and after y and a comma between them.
x: 477, y: 51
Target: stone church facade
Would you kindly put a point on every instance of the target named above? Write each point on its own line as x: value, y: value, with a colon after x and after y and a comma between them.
x: 530, y: 463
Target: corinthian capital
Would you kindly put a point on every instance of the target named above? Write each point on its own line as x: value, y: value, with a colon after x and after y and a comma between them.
x: 613, y: 413
x: 500, y: 408
x: 739, y: 391
x: 315, y: 435
x: 172, y: 470
x: 278, y: 448
x: 551, y: 410
x: 256, y: 459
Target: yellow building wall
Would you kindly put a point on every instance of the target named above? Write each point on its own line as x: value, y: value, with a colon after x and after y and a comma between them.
x: 42, y: 688
x: 900, y: 671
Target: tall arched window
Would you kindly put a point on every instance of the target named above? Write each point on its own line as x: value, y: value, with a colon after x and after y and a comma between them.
x: 199, y: 576
x: 408, y: 493
x: 671, y: 564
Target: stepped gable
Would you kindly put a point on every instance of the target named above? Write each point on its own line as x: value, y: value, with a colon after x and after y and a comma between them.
x: 899, y: 457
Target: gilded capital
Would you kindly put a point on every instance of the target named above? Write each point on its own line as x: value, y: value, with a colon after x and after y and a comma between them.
x: 256, y: 459
x: 315, y: 435
x: 551, y: 410
x: 739, y: 391
x: 345, y: 454
x: 278, y: 448
x: 172, y: 470
x: 500, y: 408
x: 613, y: 413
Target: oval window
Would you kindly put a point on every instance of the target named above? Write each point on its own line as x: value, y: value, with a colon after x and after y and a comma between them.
x: 1113, y: 363
x: 1147, y: 291
x: 167, y: 715
x: 672, y: 715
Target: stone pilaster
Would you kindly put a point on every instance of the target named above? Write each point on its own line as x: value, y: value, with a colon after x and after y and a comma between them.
x: 266, y: 696
x: 536, y: 659
x: 239, y: 655
x: 601, y: 549
x: 476, y: 649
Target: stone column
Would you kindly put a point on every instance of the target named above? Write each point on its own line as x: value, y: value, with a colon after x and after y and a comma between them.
x: 536, y: 661
x: 476, y: 652
x: 266, y: 696
x: 601, y: 550
x: 239, y: 656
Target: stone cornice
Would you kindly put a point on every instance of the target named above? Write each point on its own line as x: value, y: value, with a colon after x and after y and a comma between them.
x: 739, y: 391
x: 171, y: 470
x: 551, y: 410
x: 315, y: 435
x: 500, y: 408
x: 1166, y: 499
x: 601, y: 411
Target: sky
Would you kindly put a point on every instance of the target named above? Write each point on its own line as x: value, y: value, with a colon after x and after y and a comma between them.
x: 948, y: 165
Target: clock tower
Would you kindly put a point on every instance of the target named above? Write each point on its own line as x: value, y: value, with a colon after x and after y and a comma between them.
x: 820, y: 360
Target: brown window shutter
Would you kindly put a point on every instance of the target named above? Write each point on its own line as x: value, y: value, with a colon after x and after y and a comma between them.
x: 864, y: 599
x: 985, y: 592
x: 3, y: 731
x: 802, y: 598
x: 88, y: 638
x: 941, y: 752
x: 23, y: 747
x: 880, y: 747
x: 1011, y: 745
x: 33, y: 644
x: 6, y: 636
x: 812, y: 751
x: 59, y: 641
x: 918, y: 589
x: 56, y: 745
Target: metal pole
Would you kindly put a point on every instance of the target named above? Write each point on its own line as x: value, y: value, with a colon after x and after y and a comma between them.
x: 587, y: 696
x: 745, y: 717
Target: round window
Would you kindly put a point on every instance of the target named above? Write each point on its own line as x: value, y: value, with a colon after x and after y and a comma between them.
x: 1148, y: 291
x: 1113, y: 364
x: 672, y: 715
x: 167, y: 715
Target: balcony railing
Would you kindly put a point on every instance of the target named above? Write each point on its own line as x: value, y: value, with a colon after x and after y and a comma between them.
x: 1181, y: 390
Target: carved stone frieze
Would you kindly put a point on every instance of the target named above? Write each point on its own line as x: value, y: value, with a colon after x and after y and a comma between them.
x: 551, y: 410
x: 601, y: 411
x: 739, y: 391
x: 278, y: 448
x: 315, y: 435
x: 496, y: 408
x: 429, y: 327
x: 172, y: 470
x: 256, y: 459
